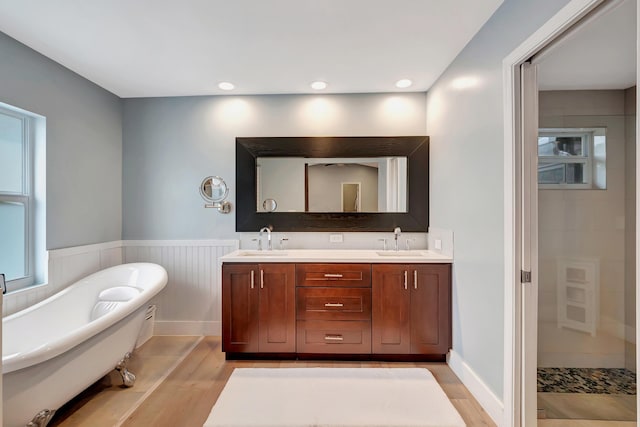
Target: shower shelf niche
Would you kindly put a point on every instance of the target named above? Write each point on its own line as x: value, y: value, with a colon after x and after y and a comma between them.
x: 578, y: 294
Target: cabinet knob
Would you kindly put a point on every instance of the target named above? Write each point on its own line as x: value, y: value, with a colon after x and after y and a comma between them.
x: 334, y: 304
x: 406, y: 273
x: 252, y: 279
x: 333, y: 338
x: 261, y: 279
x: 415, y: 279
x: 333, y: 275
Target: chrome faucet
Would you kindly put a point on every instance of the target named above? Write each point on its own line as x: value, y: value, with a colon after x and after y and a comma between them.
x: 396, y: 234
x: 268, y: 229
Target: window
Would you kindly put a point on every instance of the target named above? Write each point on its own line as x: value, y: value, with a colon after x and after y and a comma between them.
x: 16, y: 198
x: 572, y: 158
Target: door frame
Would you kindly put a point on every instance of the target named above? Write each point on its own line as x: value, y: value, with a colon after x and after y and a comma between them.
x: 516, y: 335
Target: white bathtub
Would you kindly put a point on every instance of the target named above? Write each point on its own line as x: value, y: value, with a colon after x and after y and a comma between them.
x: 54, y: 350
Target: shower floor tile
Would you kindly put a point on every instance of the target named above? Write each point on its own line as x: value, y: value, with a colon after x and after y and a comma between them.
x: 586, y: 380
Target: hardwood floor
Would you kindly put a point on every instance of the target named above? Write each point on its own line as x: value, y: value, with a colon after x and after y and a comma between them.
x: 187, y: 394
x: 588, y: 406
x: 106, y: 403
x: 585, y: 423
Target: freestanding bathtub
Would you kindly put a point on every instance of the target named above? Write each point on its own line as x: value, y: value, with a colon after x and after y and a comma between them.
x: 58, y: 347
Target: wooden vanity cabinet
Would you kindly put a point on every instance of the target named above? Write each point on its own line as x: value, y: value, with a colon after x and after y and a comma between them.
x: 411, y: 309
x: 336, y: 308
x: 333, y: 308
x: 258, y: 308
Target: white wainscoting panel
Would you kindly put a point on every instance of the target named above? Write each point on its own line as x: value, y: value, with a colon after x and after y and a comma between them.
x: 191, y: 302
x: 66, y: 266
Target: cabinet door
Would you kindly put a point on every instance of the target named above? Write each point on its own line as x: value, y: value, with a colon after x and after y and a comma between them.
x: 430, y: 309
x: 277, y: 308
x: 390, y: 309
x: 240, y: 296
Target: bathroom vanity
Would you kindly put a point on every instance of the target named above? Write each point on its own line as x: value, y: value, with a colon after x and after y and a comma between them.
x: 336, y: 304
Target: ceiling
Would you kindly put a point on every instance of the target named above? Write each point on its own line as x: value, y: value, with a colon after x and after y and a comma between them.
x: 599, y: 55
x: 149, y: 48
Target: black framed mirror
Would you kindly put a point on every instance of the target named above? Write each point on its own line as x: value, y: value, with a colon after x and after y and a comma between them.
x: 411, y: 215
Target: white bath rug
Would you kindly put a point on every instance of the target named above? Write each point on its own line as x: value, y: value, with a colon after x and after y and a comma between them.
x: 333, y: 397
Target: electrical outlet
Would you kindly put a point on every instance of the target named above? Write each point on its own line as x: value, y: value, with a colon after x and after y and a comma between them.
x: 438, y: 244
x: 335, y: 238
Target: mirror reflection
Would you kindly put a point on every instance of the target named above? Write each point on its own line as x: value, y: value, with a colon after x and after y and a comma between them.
x: 269, y: 205
x: 214, y: 189
x: 298, y: 184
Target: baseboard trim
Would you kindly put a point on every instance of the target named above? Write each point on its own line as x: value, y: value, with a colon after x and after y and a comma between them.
x: 482, y: 393
x: 213, y: 328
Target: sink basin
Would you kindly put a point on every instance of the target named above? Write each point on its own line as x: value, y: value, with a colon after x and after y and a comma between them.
x: 401, y: 253
x: 263, y: 253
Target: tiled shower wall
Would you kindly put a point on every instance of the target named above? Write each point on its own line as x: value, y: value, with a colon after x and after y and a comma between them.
x: 586, y: 224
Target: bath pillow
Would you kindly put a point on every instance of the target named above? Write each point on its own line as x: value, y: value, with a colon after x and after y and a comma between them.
x: 119, y: 293
x: 103, y: 307
x: 110, y: 299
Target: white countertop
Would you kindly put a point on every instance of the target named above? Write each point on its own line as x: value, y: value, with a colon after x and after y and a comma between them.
x: 332, y: 255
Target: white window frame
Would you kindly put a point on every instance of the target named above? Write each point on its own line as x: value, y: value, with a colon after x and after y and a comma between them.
x: 587, y: 136
x: 25, y: 197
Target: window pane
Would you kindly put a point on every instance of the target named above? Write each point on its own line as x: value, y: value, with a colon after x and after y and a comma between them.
x: 600, y: 161
x: 575, y: 173
x: 562, y: 173
x: 561, y: 146
x: 11, y: 154
x: 551, y: 173
x: 12, y: 249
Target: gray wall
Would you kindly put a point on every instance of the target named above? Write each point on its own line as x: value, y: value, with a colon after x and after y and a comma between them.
x: 171, y: 144
x: 83, y: 144
x: 466, y: 172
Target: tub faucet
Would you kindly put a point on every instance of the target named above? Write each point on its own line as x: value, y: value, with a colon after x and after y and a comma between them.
x: 396, y: 234
x: 268, y: 229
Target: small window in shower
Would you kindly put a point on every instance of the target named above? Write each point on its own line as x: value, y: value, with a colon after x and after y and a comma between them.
x: 570, y: 158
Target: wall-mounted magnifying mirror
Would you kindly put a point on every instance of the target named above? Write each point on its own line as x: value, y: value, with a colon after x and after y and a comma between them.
x: 214, y: 190
x: 269, y: 205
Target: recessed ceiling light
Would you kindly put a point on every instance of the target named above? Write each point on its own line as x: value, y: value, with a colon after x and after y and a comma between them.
x: 226, y: 86
x: 403, y: 83
x: 319, y: 85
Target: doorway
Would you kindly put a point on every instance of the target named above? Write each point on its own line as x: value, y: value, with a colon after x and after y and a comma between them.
x: 586, y: 257
x: 571, y: 285
x: 350, y: 196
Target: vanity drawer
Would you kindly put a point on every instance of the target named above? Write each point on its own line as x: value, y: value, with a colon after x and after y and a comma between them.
x: 333, y: 303
x: 345, y: 337
x: 346, y: 275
